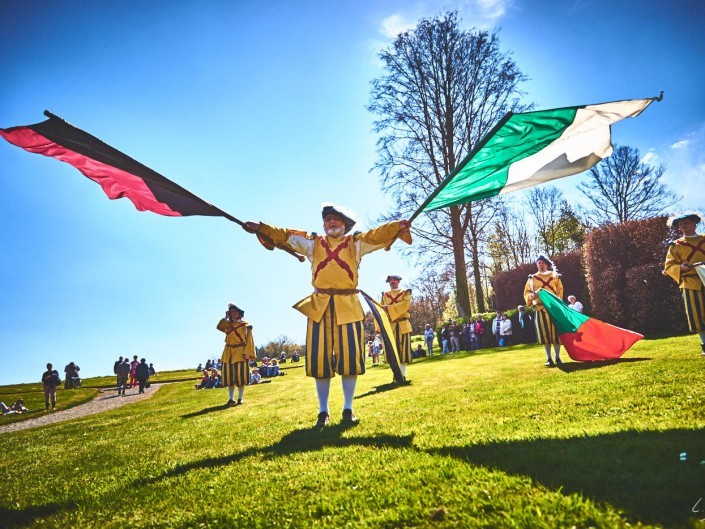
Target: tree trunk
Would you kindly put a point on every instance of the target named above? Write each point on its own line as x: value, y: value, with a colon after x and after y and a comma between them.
x: 479, y: 291
x: 462, y: 297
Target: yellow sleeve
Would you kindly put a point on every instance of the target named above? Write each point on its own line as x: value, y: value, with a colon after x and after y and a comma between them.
x: 250, y: 343
x: 559, y: 287
x: 672, y: 267
x: 381, y: 236
x: 298, y: 241
x: 527, y: 292
x: 224, y: 326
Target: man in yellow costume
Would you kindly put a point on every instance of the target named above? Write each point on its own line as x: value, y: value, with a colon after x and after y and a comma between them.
x: 335, y: 337
x: 397, y: 302
x: 680, y: 258
x: 239, y: 348
x: 547, y: 277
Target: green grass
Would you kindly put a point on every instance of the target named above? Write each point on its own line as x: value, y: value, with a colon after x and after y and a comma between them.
x: 487, y: 439
x: 33, y: 394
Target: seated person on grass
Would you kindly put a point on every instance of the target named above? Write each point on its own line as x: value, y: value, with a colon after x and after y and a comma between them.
x: 17, y: 407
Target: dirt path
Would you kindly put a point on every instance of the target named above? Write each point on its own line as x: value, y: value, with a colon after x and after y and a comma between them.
x: 106, y: 400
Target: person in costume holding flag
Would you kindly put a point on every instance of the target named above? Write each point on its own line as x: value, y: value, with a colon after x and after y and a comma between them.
x: 239, y: 348
x: 335, y: 338
x: 681, y: 257
x: 548, y: 278
x: 396, y: 303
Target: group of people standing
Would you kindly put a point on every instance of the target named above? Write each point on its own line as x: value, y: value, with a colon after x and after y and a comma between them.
x: 137, y: 371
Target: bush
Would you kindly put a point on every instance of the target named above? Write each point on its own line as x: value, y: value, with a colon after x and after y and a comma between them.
x: 509, y: 285
x: 624, y: 263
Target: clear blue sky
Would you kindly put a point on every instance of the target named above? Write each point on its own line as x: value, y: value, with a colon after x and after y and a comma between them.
x: 259, y: 107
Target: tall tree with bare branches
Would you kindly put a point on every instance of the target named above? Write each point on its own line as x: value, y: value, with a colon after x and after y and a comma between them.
x: 442, y: 90
x: 622, y: 187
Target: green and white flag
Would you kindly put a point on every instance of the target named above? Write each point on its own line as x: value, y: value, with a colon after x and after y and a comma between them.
x: 531, y: 148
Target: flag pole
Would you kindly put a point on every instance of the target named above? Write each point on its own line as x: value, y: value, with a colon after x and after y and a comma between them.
x: 462, y: 164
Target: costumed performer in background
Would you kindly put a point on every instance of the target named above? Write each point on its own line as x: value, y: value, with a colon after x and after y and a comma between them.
x: 547, y: 277
x: 239, y: 348
x: 397, y: 302
x: 682, y: 254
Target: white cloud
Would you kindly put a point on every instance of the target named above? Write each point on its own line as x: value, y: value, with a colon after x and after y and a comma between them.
x: 680, y: 144
x: 394, y: 25
x: 649, y: 157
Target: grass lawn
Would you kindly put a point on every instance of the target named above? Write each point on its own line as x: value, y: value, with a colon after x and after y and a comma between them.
x: 487, y: 439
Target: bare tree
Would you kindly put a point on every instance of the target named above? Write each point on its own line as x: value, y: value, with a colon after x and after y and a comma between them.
x: 622, y: 188
x: 431, y: 292
x: 443, y: 89
x: 510, y: 243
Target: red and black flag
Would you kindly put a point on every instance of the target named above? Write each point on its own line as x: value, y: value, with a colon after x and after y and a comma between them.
x: 118, y: 174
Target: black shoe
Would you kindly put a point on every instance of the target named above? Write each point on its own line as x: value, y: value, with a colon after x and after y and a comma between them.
x: 323, y: 420
x: 230, y: 403
x: 239, y: 402
x: 550, y: 363
x: 559, y: 362
x: 405, y: 382
x: 349, y: 417
x: 703, y: 347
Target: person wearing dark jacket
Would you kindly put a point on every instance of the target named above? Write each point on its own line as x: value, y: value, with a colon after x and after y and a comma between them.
x: 142, y: 374
x: 50, y: 379
x: 123, y: 371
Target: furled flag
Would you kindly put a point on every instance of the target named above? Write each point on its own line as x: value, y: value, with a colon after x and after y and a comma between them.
x: 700, y: 269
x: 390, y: 348
x: 583, y: 337
x: 530, y: 148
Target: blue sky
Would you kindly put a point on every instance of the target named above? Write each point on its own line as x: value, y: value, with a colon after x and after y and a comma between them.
x: 259, y: 107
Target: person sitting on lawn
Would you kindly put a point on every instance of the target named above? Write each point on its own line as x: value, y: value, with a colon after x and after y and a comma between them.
x: 17, y: 407
x: 204, y: 380
x: 255, y: 377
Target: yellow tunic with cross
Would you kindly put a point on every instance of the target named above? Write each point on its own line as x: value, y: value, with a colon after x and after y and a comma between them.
x: 397, y: 302
x: 688, y: 250
x: 239, y: 348
x: 335, y: 334
x: 551, y: 281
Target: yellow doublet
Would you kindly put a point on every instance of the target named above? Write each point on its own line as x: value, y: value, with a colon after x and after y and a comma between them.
x: 396, y: 303
x: 334, y: 266
x: 549, y: 280
x: 238, y: 341
x: 685, y: 250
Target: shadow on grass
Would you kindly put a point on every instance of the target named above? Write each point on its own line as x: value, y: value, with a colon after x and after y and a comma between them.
x: 638, y: 472
x: 31, y: 515
x: 381, y: 389
x: 298, y: 441
x: 205, y: 411
x: 569, y: 367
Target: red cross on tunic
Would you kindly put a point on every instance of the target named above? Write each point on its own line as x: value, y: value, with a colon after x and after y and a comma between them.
x: 395, y: 299
x: 694, y: 248
x: 333, y: 255
x: 235, y: 329
x: 546, y: 284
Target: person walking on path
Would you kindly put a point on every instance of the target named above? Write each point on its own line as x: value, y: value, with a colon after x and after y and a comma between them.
x: 50, y: 379
x: 142, y: 374
x: 123, y: 371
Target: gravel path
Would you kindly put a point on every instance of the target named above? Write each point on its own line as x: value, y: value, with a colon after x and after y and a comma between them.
x: 106, y: 400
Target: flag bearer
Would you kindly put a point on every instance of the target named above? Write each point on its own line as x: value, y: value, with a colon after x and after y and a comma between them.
x: 547, y: 277
x: 335, y: 337
x: 680, y: 258
x: 239, y: 348
x: 396, y: 302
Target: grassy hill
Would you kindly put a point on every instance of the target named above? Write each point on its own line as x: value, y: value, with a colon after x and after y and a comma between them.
x: 488, y: 439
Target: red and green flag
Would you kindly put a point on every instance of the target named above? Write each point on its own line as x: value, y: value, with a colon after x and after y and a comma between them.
x: 585, y: 338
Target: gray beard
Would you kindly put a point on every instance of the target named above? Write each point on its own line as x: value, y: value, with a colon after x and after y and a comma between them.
x: 335, y: 232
